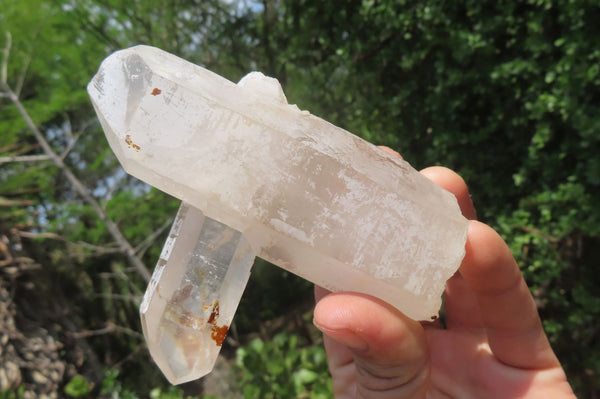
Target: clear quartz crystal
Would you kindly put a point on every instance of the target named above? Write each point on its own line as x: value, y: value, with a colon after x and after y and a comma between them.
x: 306, y: 195
x: 182, y: 312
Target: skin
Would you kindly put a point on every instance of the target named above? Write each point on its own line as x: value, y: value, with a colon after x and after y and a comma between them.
x: 493, y: 346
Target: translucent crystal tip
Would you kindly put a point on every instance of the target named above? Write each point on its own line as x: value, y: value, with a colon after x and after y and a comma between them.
x: 194, y: 292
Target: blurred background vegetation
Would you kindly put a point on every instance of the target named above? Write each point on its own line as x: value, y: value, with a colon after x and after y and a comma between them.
x: 505, y: 92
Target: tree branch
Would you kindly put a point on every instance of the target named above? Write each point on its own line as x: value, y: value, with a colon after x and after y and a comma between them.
x: 86, y: 245
x: 133, y: 353
x: 25, y: 68
x: 142, y: 247
x: 15, y: 202
x: 6, y: 51
x: 110, y: 328
x: 25, y: 158
x: 112, y: 228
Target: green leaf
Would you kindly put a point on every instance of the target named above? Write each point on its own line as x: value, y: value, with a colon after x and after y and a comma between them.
x: 78, y: 386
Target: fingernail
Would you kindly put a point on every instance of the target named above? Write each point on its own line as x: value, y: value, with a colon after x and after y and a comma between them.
x: 345, y: 337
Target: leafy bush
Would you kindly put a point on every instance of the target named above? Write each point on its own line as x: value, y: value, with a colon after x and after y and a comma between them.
x: 281, y: 368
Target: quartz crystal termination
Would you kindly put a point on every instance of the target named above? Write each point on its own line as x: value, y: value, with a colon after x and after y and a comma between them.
x: 294, y: 189
x: 184, y: 318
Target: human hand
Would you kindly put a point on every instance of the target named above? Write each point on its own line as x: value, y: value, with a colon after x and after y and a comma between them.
x: 493, y: 345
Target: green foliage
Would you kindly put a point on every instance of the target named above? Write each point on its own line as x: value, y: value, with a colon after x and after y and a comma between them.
x: 113, y: 388
x: 171, y: 393
x: 270, y: 293
x: 78, y: 387
x: 12, y: 394
x: 281, y: 368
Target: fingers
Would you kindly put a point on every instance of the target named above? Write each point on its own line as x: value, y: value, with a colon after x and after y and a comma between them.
x: 489, y: 291
x: 452, y: 182
x: 341, y: 360
x: 388, y: 350
x: 462, y: 309
x: 514, y: 330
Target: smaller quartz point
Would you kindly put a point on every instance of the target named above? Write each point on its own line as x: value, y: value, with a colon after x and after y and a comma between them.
x: 259, y: 176
x: 193, y: 294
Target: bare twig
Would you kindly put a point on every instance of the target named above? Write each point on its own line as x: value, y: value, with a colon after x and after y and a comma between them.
x: 74, y: 137
x: 25, y: 158
x: 109, y: 193
x: 25, y: 67
x: 6, y: 52
x: 53, y: 236
x: 100, y: 250
x: 110, y: 328
x: 133, y: 353
x: 71, y: 139
x: 112, y: 228
x: 69, y: 146
x: 69, y: 129
x: 540, y: 233
x: 23, y: 74
x: 15, y: 202
x: 142, y: 247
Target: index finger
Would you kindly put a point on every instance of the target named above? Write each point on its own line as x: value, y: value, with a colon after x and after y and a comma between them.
x: 514, y: 329
x: 451, y: 181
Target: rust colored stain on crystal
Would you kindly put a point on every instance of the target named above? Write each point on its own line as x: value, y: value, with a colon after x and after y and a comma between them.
x: 214, y: 314
x: 217, y: 333
x: 131, y: 144
x: 156, y: 91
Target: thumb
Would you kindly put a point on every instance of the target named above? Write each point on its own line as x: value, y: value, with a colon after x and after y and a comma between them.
x: 388, y: 350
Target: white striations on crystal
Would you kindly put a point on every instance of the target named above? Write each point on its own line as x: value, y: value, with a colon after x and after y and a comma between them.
x: 193, y: 294
x: 306, y: 195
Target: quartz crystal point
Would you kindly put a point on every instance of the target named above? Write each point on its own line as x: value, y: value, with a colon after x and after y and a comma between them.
x: 193, y: 294
x: 260, y: 177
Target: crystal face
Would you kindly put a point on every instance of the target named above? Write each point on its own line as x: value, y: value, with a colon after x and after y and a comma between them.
x: 301, y: 193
